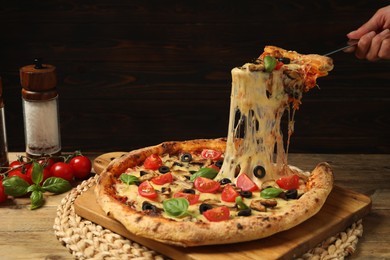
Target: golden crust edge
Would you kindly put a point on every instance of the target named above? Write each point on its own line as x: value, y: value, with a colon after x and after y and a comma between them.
x: 235, y: 230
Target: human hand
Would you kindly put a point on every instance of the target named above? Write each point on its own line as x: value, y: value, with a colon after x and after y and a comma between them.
x: 374, y: 37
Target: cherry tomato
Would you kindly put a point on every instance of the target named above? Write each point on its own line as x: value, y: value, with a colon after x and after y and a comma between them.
x: 46, y: 162
x: 81, y: 166
x: 46, y: 174
x: 192, y: 198
x: 278, y: 65
x: 162, y: 179
x: 206, y: 185
x: 18, y: 166
x: 211, y: 154
x: 245, y: 183
x: 3, y: 196
x: 62, y: 170
x: 217, y: 214
x: 289, y: 182
x: 18, y: 173
x: 214, y: 167
x: 145, y: 189
x: 153, y: 162
x: 229, y: 194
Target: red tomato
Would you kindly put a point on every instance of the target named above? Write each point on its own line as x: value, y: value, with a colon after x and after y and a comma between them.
x: 18, y: 165
x: 211, y: 154
x: 162, y: 179
x: 289, y: 182
x: 21, y: 175
x: 3, y: 196
x: 245, y: 183
x: 206, y: 185
x: 46, y: 174
x: 192, y: 198
x: 62, y: 170
x: 279, y: 64
x: 229, y: 194
x: 81, y: 166
x: 145, y: 189
x: 214, y: 167
x: 46, y: 162
x: 217, y: 214
x: 153, y: 162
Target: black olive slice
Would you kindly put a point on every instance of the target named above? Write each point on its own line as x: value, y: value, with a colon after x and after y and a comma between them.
x: 148, y: 206
x: 142, y: 173
x: 292, y: 194
x: 225, y: 181
x: 163, y: 169
x: 246, y: 194
x: 259, y: 171
x: 245, y: 212
x: 219, y: 163
x: 284, y: 60
x: 190, y: 191
x: 204, y: 207
x: 186, y: 157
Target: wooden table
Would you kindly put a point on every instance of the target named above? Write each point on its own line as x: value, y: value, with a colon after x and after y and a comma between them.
x: 29, y: 234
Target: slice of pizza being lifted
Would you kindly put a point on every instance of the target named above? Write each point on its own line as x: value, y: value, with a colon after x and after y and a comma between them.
x: 261, y: 94
x: 226, y: 190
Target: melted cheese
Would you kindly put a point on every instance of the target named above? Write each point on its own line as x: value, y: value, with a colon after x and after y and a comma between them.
x: 260, y: 100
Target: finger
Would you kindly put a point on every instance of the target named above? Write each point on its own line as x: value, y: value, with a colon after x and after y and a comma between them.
x: 370, y: 25
x: 376, y: 43
x: 364, y: 45
x: 384, y: 52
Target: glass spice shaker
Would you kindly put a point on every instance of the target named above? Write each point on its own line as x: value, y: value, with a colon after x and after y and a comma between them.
x: 3, y: 134
x: 40, y: 109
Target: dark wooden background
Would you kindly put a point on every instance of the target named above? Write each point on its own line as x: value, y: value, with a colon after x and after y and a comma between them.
x: 136, y: 73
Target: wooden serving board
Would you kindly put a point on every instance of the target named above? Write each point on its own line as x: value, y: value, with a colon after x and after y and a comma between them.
x: 342, y: 208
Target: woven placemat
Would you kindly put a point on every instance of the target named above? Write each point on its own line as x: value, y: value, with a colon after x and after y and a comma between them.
x: 87, y: 240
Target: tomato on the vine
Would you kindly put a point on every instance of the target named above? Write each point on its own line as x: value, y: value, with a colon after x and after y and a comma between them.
x: 19, y: 166
x: 18, y: 173
x: 46, y: 174
x: 3, y: 196
x: 153, y: 162
x: 46, y: 162
x: 62, y: 170
x: 211, y: 154
x: 217, y: 214
x: 81, y: 166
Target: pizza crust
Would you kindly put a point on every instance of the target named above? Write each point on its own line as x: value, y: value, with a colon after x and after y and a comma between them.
x: 186, y: 233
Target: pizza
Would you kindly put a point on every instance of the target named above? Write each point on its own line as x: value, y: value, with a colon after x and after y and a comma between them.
x: 226, y: 190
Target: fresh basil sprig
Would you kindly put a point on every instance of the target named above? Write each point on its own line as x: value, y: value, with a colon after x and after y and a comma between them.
x: 206, y: 172
x: 16, y: 186
x: 270, y: 193
x: 176, y: 207
x: 128, y: 179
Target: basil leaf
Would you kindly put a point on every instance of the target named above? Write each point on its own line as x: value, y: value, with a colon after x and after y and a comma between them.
x: 37, y: 173
x: 56, y: 185
x: 240, y: 203
x: 270, y: 193
x: 208, y: 173
x: 128, y: 179
x: 34, y: 187
x: 269, y: 63
x: 15, y: 186
x: 176, y: 207
x: 36, y: 198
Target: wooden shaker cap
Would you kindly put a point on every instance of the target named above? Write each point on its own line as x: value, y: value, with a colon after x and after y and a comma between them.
x: 38, y: 77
